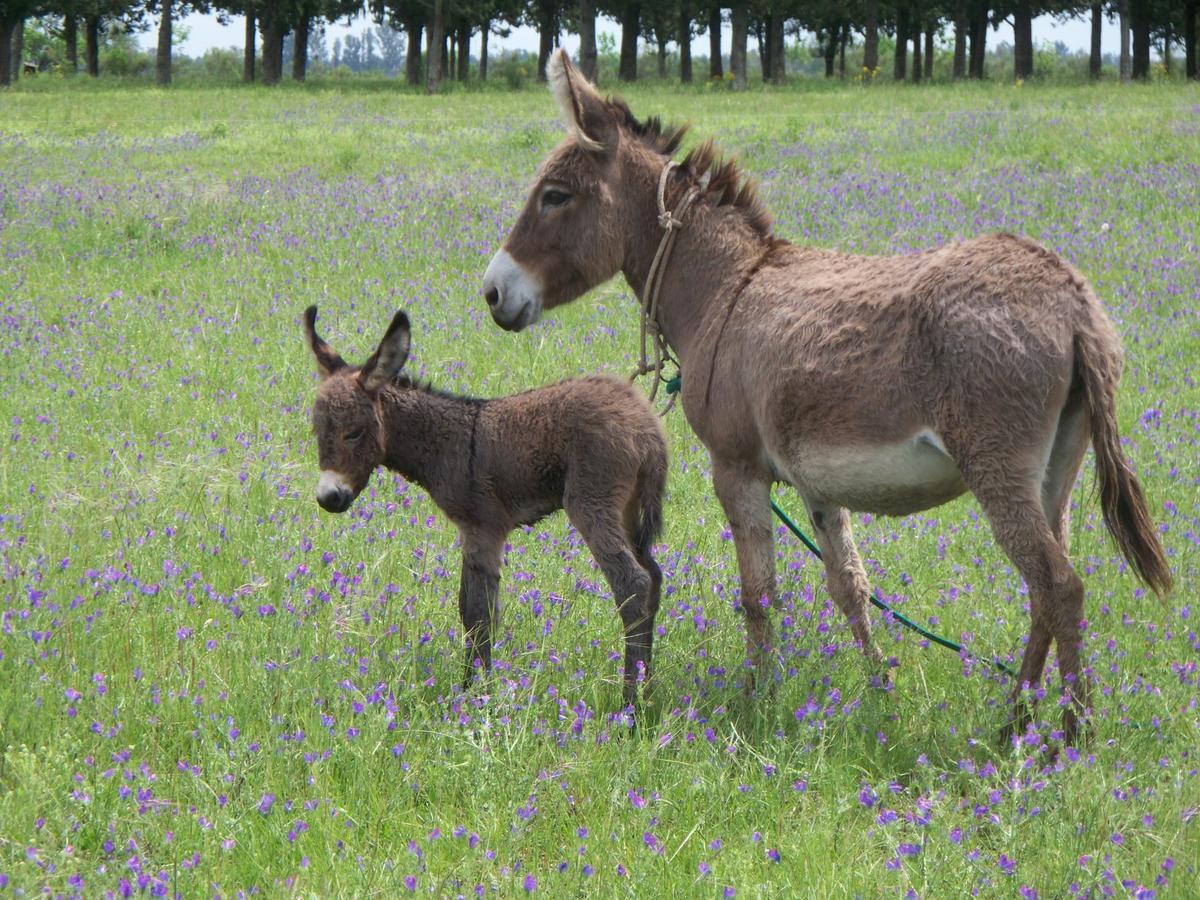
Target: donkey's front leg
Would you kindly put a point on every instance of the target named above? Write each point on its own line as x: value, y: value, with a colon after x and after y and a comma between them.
x: 745, y: 495
x: 845, y: 575
x: 479, y: 595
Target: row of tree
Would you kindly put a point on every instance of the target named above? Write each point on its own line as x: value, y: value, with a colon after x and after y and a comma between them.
x: 438, y: 33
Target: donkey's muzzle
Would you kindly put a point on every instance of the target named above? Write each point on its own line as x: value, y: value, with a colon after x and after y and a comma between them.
x: 513, y: 295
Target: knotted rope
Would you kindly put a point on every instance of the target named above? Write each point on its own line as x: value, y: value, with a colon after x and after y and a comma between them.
x: 671, y: 222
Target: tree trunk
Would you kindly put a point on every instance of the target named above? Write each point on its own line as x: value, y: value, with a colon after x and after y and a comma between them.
x: 631, y: 22
x: 18, y: 49
x: 979, y: 25
x: 739, y: 20
x: 71, y: 39
x: 1022, y: 40
x: 900, y: 63
x: 845, y: 39
x: 871, y: 38
x: 412, y: 53
x: 830, y: 50
x: 91, y: 50
x: 433, y: 71
x: 464, y: 53
x: 1095, y: 60
x: 300, y: 47
x: 445, y: 67
x: 250, y: 51
x: 684, y: 38
x: 1166, y: 49
x: 1126, y: 62
x: 929, y: 30
x: 1139, y: 25
x: 162, y: 58
x: 960, y: 40
x: 1190, y: 10
x: 916, y: 52
x: 662, y: 58
x: 779, y: 52
x: 773, y: 72
x: 715, y: 67
x: 448, y: 72
x: 484, y: 29
x: 6, y: 39
x: 587, y: 39
x: 272, y: 45
x: 764, y: 54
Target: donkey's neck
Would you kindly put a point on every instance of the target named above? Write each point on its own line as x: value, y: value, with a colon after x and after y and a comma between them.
x: 427, y: 433
x: 713, y: 254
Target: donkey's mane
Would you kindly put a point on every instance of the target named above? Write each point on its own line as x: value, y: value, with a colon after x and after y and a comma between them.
x: 726, y: 184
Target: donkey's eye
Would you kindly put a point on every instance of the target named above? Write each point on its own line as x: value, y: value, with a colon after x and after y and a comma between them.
x: 355, y: 435
x: 553, y: 197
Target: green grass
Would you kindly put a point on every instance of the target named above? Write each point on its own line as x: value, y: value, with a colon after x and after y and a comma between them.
x: 184, y: 632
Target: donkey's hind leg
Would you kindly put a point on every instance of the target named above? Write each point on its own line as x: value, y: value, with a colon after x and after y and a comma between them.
x: 1055, y: 595
x: 1066, y: 456
x: 599, y: 520
x: 845, y: 574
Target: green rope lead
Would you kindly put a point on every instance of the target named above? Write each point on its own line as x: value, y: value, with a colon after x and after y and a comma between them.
x: 673, y: 386
x: 879, y: 604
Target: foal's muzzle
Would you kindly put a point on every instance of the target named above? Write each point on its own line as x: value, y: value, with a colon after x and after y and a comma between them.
x: 333, y: 493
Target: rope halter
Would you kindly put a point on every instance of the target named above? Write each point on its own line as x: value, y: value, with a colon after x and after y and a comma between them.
x: 671, y: 222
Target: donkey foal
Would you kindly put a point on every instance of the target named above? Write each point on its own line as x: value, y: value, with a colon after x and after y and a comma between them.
x: 591, y: 446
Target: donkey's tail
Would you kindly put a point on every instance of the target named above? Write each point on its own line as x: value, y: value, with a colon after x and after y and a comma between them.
x: 1121, y: 499
x: 651, y: 484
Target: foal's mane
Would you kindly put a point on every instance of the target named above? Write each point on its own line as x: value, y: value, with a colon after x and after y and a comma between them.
x: 720, y: 178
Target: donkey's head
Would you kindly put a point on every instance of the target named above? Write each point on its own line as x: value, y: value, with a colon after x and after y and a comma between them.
x: 350, y: 440
x: 571, y: 235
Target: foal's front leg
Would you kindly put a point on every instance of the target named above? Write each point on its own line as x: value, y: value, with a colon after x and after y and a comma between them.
x: 745, y: 495
x: 479, y: 595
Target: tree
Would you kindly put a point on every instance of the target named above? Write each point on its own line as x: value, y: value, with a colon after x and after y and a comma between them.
x: 715, y: 66
x: 871, y: 35
x: 739, y: 21
x: 168, y: 11
x: 13, y: 14
x: 1191, y: 11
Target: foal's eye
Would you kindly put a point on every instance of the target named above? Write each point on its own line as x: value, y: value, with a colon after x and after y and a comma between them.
x: 355, y: 435
x: 552, y: 197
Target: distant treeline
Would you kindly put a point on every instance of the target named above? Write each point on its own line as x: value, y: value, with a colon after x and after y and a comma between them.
x: 430, y: 41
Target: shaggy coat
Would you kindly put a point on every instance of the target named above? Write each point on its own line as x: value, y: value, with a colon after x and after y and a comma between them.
x: 591, y: 446
x: 888, y: 384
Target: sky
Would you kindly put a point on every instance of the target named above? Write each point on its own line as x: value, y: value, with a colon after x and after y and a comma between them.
x: 205, y: 32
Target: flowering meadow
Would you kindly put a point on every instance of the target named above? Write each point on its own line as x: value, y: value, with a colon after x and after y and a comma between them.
x: 208, y: 686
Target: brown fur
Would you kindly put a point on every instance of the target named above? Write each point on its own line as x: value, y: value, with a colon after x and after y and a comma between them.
x: 877, y: 383
x: 591, y: 446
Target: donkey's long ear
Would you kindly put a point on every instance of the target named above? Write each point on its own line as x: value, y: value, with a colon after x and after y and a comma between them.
x: 328, y: 360
x: 389, y: 357
x: 583, y: 110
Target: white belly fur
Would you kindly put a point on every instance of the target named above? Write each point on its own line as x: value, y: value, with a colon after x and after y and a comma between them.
x: 894, y: 479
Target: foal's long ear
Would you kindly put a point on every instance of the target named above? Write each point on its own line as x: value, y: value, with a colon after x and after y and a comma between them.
x: 328, y: 360
x: 583, y: 109
x: 389, y: 357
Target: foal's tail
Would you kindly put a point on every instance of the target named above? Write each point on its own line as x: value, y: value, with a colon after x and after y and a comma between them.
x: 1121, y: 499
x: 651, y: 484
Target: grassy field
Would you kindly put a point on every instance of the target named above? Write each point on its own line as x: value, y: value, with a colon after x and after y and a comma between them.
x: 207, y: 685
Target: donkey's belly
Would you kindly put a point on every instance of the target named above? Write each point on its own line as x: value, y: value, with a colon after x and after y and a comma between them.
x: 894, y: 478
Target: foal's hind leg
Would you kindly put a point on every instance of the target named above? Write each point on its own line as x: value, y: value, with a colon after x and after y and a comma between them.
x: 646, y: 558
x: 1055, y: 595
x: 599, y: 521
x: 844, y: 573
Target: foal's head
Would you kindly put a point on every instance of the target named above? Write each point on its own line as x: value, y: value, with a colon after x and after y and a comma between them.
x: 350, y: 440
x: 571, y: 234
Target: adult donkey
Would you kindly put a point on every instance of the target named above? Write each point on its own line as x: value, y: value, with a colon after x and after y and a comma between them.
x: 887, y: 384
